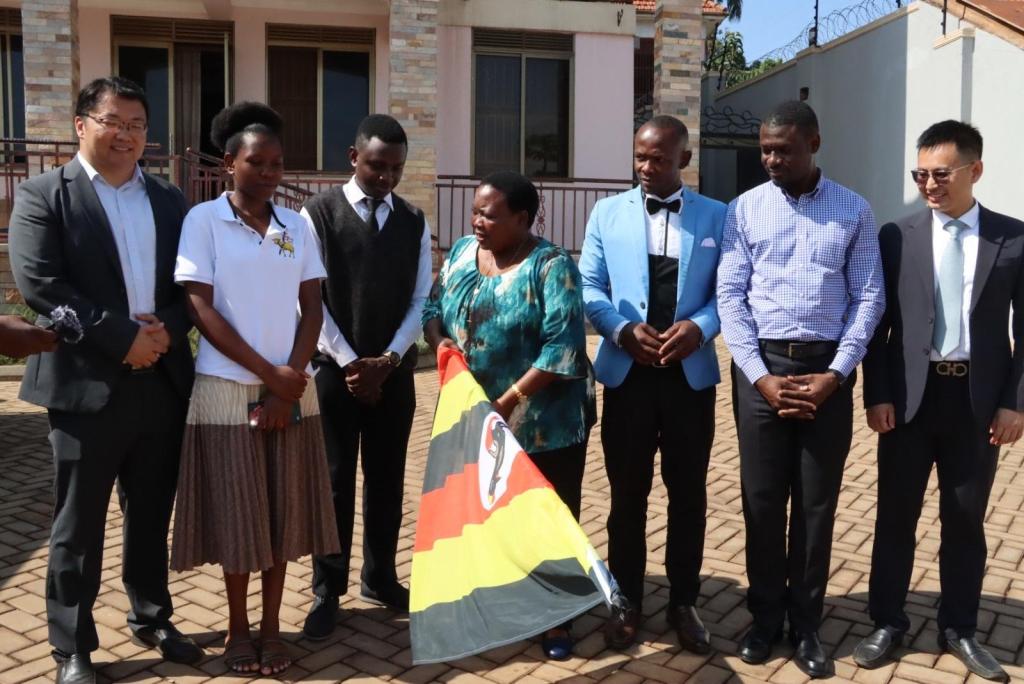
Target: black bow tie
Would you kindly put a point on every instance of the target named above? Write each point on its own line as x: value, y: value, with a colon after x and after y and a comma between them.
x: 654, y: 206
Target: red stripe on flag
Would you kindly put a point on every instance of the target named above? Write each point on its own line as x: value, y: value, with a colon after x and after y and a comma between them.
x: 445, y: 511
x: 450, y: 362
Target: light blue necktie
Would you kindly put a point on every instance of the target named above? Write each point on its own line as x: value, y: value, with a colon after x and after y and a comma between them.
x: 949, y: 295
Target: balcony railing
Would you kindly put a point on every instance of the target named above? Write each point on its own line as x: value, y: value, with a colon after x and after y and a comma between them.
x: 200, y: 176
x: 565, y: 206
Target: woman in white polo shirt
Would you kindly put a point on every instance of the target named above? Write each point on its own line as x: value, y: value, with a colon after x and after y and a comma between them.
x: 253, y: 484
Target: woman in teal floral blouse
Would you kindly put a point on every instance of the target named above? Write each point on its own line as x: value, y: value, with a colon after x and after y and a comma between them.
x: 511, y: 302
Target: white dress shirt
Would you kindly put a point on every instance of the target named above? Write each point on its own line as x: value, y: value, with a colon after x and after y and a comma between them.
x: 131, y: 221
x: 664, y: 235
x: 969, y: 237
x: 332, y: 341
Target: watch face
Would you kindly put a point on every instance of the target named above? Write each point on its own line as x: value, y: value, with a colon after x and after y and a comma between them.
x: 394, y: 359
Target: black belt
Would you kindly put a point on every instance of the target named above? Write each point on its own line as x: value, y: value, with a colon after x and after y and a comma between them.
x: 798, y: 350
x: 950, y: 369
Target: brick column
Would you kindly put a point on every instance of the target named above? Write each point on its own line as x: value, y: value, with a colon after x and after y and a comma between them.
x: 49, y: 30
x: 678, y: 48
x: 413, y: 95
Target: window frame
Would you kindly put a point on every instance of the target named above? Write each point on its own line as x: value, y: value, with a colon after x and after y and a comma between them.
x: 523, y: 55
x: 320, y: 48
x: 7, y: 82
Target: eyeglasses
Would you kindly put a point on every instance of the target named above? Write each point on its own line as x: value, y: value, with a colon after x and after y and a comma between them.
x: 940, y: 176
x: 115, y: 125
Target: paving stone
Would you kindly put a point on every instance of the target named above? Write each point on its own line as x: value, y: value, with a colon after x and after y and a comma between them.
x: 372, y: 644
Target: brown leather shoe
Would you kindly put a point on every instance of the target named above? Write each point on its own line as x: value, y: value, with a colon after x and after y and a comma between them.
x: 622, y: 627
x: 693, y: 636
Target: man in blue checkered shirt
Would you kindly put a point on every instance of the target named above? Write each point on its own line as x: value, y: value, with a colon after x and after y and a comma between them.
x: 799, y: 295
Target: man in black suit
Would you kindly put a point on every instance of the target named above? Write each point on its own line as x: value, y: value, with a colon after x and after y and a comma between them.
x: 942, y: 385
x: 100, y: 237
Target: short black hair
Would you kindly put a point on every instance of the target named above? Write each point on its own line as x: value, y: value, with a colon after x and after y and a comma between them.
x: 665, y: 122
x: 966, y: 137
x: 383, y: 127
x: 232, y: 123
x: 793, y: 113
x: 89, y: 96
x: 520, y: 194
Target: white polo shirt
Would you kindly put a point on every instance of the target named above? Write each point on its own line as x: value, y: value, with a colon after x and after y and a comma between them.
x: 255, y: 280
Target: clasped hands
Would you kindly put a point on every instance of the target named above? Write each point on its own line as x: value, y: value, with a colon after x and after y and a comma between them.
x: 797, y: 396
x: 365, y: 378
x: 151, y: 341
x: 648, y: 346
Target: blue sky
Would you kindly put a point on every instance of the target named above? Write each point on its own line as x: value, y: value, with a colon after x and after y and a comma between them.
x: 768, y: 24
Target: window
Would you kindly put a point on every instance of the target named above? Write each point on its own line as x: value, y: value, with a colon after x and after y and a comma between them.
x: 183, y: 65
x: 522, y: 104
x: 12, y: 75
x: 322, y: 92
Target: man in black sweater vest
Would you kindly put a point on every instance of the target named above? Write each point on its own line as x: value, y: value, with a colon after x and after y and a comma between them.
x: 376, y: 247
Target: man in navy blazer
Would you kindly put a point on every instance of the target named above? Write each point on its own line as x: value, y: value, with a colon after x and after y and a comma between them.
x: 649, y: 263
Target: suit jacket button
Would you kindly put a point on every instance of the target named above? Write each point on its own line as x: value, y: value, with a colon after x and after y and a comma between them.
x: 926, y: 351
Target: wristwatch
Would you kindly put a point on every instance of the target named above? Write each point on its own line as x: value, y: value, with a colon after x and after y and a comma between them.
x: 393, y: 357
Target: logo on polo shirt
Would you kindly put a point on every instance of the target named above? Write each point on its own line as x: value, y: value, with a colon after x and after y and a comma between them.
x: 285, y: 246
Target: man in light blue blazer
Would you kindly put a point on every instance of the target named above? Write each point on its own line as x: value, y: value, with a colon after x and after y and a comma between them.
x: 649, y: 263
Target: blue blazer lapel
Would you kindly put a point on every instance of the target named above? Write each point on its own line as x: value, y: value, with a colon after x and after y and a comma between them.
x: 636, y: 237
x: 687, y: 239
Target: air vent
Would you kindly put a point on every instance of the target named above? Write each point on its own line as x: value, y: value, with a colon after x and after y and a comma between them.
x: 10, y: 18
x: 174, y: 30
x: 496, y: 39
x: 319, y: 35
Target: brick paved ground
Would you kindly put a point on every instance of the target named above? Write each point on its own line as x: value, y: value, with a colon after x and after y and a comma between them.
x: 374, y: 643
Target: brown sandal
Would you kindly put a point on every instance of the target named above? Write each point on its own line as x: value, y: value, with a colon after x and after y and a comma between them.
x: 240, y: 654
x: 274, y: 656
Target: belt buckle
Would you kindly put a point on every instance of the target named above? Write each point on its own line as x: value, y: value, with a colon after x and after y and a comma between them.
x: 951, y: 369
x: 789, y: 349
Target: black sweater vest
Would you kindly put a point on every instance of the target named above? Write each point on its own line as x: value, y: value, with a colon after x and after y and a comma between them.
x: 371, y: 274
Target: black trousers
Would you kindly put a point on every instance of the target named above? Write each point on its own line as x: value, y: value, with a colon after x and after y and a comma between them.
x: 563, y: 468
x: 136, y: 440
x: 656, y: 409
x: 796, y: 462
x: 381, y: 432
x: 944, y: 432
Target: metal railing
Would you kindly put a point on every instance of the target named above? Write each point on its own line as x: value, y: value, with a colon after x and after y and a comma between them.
x: 565, y: 206
x: 200, y: 176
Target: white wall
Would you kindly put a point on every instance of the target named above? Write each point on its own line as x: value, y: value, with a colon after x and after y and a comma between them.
x: 878, y: 88
x: 603, y: 106
x: 454, y: 100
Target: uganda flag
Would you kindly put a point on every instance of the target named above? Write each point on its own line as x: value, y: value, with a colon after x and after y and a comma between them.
x: 498, y: 557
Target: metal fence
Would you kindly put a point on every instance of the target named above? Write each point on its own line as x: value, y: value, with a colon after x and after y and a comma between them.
x: 565, y: 206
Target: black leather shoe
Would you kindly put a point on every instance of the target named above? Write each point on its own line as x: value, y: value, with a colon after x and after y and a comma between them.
x: 756, y: 646
x: 691, y: 631
x: 75, y: 669
x: 622, y: 627
x: 394, y: 596
x: 557, y: 647
x: 876, y: 648
x: 322, y: 618
x: 972, y: 654
x: 172, y: 644
x: 810, y: 656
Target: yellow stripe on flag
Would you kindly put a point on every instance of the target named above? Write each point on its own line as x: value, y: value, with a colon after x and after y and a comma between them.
x: 505, y: 548
x: 458, y: 395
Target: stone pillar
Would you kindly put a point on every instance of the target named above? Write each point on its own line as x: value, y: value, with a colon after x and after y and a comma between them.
x: 678, y: 48
x: 49, y: 29
x: 413, y: 96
